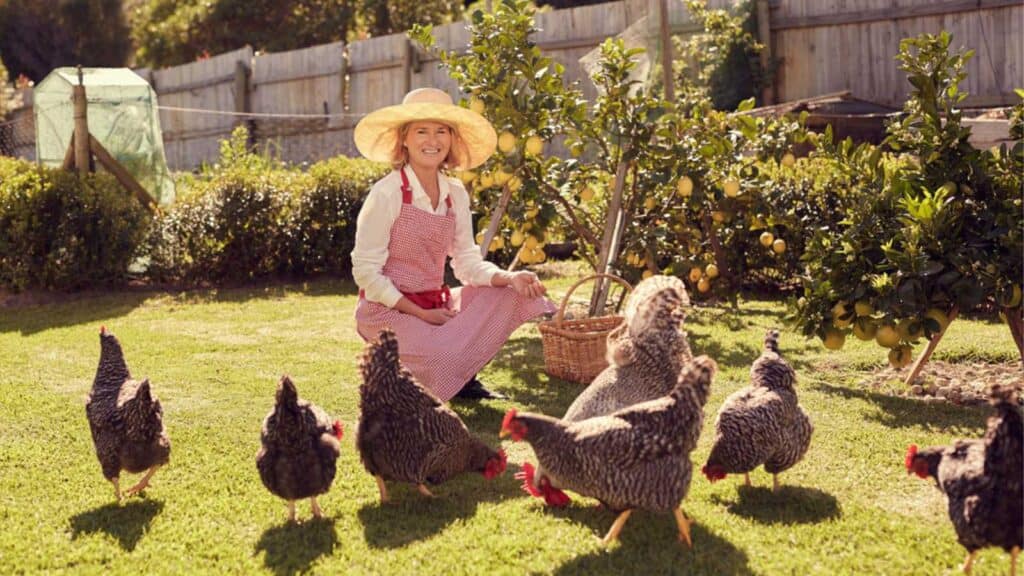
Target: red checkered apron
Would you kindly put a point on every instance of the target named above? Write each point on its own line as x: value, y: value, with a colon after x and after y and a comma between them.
x: 442, y: 357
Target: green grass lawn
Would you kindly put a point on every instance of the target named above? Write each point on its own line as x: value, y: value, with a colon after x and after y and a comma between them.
x: 214, y: 358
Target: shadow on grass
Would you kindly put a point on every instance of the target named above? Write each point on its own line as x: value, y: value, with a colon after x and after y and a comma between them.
x: 536, y: 391
x: 790, y: 505
x: 126, y: 522
x: 898, y: 412
x: 292, y: 548
x: 649, y: 545
x: 410, y: 516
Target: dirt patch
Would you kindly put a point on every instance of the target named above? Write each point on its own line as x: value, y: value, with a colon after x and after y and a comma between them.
x: 960, y: 383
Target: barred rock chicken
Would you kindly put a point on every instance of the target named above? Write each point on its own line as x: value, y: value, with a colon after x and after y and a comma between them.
x: 762, y: 423
x: 982, y: 480
x: 645, y: 354
x: 406, y: 434
x: 125, y: 419
x: 300, y: 448
x: 637, y: 457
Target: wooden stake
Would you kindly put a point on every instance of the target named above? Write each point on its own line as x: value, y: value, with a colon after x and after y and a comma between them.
x: 666, y: 52
x: 81, y: 125
x: 764, y: 36
x: 1016, y: 324
x: 496, y: 216
x: 610, y: 242
x: 931, y: 348
x: 122, y: 175
x: 69, y: 155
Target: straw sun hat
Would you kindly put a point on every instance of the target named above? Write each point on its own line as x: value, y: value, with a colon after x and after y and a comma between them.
x: 377, y: 133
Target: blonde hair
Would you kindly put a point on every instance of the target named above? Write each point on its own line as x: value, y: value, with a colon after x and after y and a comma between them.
x: 400, y: 156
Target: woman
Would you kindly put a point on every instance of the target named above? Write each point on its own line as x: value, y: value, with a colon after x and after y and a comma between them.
x: 412, y: 220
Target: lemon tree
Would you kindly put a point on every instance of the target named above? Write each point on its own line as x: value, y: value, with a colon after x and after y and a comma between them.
x: 932, y: 229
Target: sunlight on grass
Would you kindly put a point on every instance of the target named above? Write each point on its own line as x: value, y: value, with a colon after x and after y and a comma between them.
x: 214, y: 358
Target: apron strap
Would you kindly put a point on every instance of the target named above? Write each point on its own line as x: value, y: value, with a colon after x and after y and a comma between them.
x: 406, y: 188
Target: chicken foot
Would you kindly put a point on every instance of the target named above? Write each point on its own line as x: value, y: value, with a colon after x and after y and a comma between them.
x: 613, y: 533
x: 775, y: 482
x: 684, y: 526
x: 969, y: 562
x: 291, y: 511
x: 746, y: 478
x: 1013, y: 560
x: 317, y: 512
x: 143, y: 483
x: 422, y: 488
x: 116, y: 481
x: 383, y: 489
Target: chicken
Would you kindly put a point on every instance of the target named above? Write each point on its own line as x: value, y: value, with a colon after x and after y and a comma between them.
x: 299, y: 449
x: 637, y: 457
x: 982, y: 480
x: 406, y: 434
x: 762, y: 423
x: 645, y: 354
x: 125, y: 419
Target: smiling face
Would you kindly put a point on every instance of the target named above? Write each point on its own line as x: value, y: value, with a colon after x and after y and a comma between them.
x: 428, y: 144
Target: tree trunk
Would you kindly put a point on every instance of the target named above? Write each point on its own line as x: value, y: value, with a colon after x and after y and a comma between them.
x: 1016, y: 323
x: 923, y: 358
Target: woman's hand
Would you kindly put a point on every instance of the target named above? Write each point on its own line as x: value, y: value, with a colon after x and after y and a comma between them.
x: 437, y: 316
x: 527, y: 284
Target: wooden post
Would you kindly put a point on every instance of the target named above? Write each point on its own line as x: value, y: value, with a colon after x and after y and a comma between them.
x: 407, y: 66
x: 242, y: 98
x: 764, y: 36
x: 342, y: 96
x: 666, y: 53
x: 69, y: 155
x: 496, y: 216
x: 81, y: 138
x: 610, y: 242
x: 931, y: 348
x: 123, y: 175
x: 1016, y: 324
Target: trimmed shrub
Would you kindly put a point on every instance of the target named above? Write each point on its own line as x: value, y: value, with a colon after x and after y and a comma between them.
x: 62, y: 231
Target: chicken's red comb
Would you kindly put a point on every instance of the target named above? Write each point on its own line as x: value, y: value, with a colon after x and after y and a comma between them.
x: 103, y: 330
x: 527, y: 477
x: 908, y: 461
x: 554, y: 497
x: 339, y: 429
x: 508, y: 418
x: 713, y: 472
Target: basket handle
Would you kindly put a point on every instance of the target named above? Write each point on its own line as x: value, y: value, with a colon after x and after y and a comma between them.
x: 565, y: 299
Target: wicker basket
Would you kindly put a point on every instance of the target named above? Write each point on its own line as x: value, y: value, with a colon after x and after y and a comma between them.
x: 574, y: 350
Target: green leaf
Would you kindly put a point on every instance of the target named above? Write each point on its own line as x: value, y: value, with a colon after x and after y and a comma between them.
x: 745, y: 105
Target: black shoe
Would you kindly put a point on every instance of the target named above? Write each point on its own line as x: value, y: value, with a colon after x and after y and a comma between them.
x: 474, y: 390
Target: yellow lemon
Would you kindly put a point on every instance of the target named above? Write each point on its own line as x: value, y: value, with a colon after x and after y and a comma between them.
x: 863, y: 308
x: 500, y: 177
x: 703, y: 285
x: 496, y: 244
x: 779, y: 246
x: 901, y: 356
x: 731, y: 188
x: 718, y: 216
x: 507, y: 142
x: 532, y: 212
x: 517, y: 239
x: 539, y: 255
x: 476, y: 105
x: 486, y: 180
x: 711, y: 271
x: 839, y: 309
x: 887, y: 336
x: 685, y: 186
x: 649, y: 204
x: 766, y: 239
x: 587, y: 194
x: 834, y: 339
x: 864, y: 329
x: 531, y: 242
x: 909, y: 329
x: 694, y: 274
x: 788, y: 159
x: 1015, y: 298
x: 939, y: 316
x: 514, y: 184
x: 534, y: 145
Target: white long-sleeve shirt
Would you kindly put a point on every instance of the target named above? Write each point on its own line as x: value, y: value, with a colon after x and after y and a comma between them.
x: 373, y: 233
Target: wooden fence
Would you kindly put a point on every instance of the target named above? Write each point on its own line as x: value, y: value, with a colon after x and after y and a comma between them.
x: 303, y: 104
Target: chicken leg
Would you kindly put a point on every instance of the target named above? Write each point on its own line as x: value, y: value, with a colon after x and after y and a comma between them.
x: 424, y: 490
x: 291, y: 511
x: 317, y: 512
x: 383, y: 489
x: 1013, y: 560
x: 775, y: 482
x: 969, y: 562
x: 143, y: 483
x: 117, y: 488
x: 684, y: 526
x: 613, y: 533
x: 746, y: 478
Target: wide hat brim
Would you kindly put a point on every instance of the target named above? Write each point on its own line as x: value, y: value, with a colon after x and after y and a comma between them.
x: 376, y: 134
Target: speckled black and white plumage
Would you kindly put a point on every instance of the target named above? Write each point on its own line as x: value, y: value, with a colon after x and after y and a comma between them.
x: 982, y: 479
x: 405, y: 433
x: 125, y: 419
x: 299, y: 447
x: 637, y: 457
x: 762, y: 423
x: 645, y: 354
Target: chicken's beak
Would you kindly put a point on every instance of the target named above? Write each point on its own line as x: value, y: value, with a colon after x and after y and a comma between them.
x: 504, y: 432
